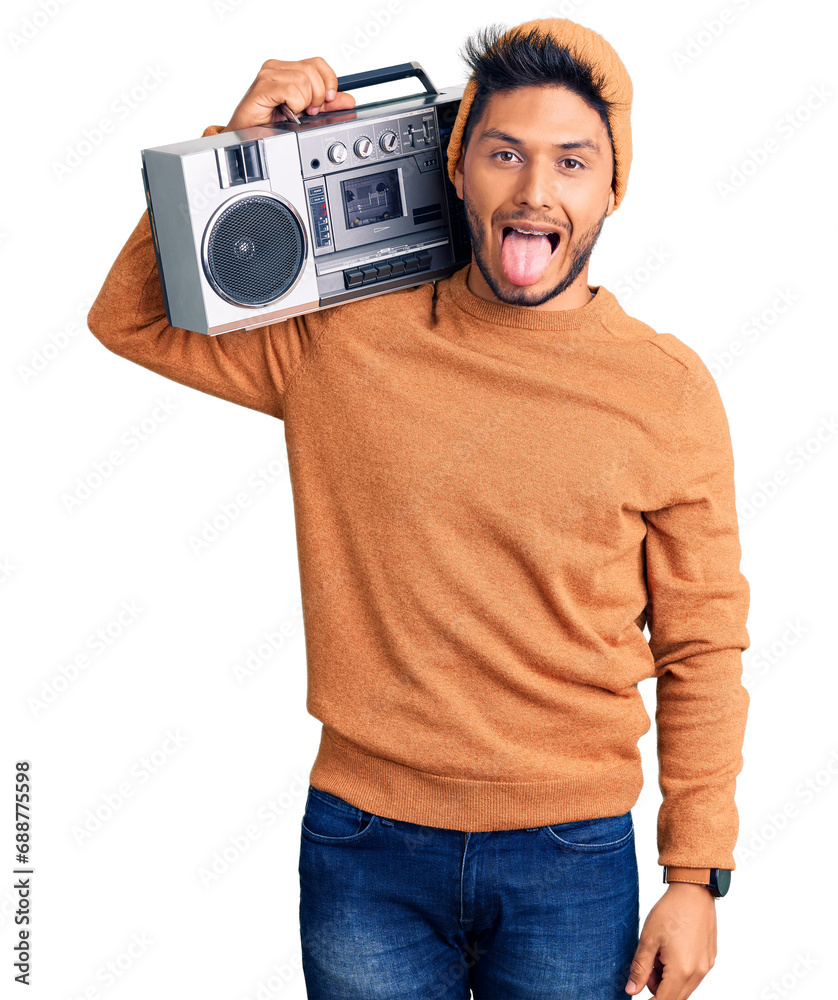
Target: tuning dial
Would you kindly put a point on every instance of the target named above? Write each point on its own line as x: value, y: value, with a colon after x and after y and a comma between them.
x: 388, y: 141
x: 337, y: 152
x: 363, y: 146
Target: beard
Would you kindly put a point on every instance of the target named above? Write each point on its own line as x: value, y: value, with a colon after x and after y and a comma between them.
x: 523, y: 295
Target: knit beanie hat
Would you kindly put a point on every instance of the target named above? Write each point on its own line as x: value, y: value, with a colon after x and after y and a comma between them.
x: 608, y: 71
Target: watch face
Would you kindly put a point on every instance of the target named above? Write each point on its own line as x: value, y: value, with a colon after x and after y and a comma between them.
x: 722, y: 879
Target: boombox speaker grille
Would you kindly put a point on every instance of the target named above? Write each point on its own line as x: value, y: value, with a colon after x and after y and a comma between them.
x: 254, y: 250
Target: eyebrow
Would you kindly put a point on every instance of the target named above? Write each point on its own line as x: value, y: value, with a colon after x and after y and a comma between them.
x: 494, y: 133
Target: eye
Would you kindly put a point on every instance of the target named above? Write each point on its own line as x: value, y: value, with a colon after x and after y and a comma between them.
x: 568, y: 159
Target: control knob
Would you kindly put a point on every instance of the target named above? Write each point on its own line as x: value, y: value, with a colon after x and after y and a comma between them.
x: 337, y: 152
x: 387, y: 141
x: 363, y: 146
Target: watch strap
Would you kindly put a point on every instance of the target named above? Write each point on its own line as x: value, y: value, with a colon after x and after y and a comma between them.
x: 700, y: 876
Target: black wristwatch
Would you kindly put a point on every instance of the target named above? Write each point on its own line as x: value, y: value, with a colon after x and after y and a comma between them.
x: 717, y: 880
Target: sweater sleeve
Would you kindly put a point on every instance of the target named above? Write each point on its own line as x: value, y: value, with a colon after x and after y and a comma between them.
x: 698, y: 606
x: 249, y: 367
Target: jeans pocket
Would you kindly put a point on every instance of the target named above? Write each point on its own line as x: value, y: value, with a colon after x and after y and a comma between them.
x: 608, y: 833
x: 330, y: 819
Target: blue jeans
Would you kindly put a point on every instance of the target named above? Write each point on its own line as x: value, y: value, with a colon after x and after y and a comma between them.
x: 391, y: 910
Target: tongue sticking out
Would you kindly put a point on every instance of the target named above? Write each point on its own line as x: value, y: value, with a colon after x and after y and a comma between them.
x: 525, y: 258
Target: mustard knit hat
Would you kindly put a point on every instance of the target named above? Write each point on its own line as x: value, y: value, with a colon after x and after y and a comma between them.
x: 609, y: 75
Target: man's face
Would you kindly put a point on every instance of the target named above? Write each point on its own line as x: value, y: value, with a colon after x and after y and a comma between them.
x: 513, y: 175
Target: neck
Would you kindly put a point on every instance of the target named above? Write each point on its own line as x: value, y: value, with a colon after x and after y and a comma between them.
x: 598, y: 309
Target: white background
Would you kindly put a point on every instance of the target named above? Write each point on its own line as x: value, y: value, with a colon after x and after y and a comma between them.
x: 724, y: 259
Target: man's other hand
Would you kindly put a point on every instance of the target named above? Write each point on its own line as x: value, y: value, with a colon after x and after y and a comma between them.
x: 677, y: 946
x: 307, y: 85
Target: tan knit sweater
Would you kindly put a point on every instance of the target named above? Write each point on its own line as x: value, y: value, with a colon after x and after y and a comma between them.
x: 491, y: 503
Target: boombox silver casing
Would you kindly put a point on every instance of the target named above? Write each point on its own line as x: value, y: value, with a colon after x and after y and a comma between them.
x: 192, y: 186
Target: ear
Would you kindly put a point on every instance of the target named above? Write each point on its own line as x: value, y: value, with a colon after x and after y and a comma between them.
x: 611, y: 199
x: 458, y: 177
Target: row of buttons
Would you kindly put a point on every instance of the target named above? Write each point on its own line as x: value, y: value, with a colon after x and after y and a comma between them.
x: 320, y: 214
x: 407, y: 264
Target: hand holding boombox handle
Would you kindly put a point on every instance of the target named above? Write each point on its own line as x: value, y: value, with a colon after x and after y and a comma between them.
x: 400, y: 72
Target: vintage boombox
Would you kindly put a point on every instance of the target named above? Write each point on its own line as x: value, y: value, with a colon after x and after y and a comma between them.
x: 268, y: 222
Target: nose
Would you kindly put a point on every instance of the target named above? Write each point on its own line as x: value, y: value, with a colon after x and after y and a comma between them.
x: 538, y: 186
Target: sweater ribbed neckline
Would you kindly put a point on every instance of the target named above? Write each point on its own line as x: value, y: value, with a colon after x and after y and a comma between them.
x: 591, y: 316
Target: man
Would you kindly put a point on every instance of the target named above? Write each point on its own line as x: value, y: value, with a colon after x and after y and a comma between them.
x: 499, y: 479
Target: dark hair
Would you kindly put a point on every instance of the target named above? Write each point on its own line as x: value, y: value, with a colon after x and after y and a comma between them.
x: 527, y: 59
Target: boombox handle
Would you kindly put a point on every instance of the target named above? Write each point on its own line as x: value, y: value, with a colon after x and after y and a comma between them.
x: 368, y: 78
